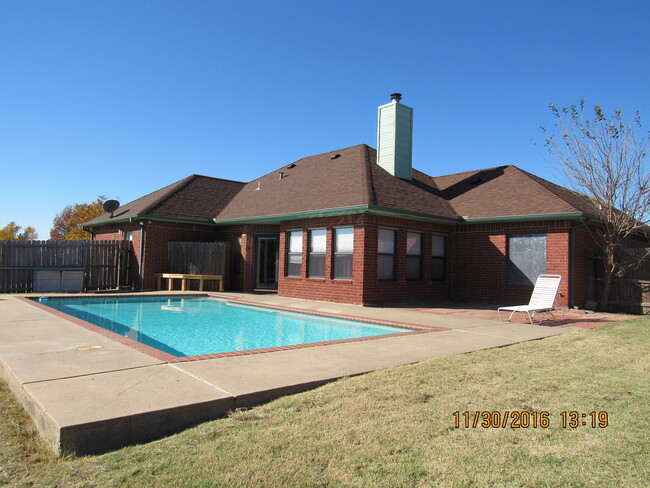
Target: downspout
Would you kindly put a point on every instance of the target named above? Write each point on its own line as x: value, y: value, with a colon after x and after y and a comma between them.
x: 91, y: 231
x: 572, y: 254
x: 142, y: 253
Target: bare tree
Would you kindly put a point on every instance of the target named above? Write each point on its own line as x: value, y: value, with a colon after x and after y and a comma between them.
x: 603, y: 158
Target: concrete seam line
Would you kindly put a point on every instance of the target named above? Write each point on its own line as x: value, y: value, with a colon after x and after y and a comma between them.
x: 202, y: 380
x: 96, y: 373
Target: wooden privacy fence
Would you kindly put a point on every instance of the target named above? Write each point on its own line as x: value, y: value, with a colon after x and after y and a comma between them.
x: 630, y: 294
x: 199, y: 258
x: 27, y: 266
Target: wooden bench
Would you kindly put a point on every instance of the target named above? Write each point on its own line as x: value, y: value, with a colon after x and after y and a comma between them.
x: 170, y: 277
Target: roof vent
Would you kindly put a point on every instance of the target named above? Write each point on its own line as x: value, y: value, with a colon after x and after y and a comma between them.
x: 292, y: 165
x: 476, y: 180
x: 281, y: 175
x: 259, y: 185
x: 396, y: 97
x: 335, y: 156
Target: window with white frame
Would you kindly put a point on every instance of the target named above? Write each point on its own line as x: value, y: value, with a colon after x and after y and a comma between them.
x: 294, y: 253
x: 386, y: 254
x: 413, y: 256
x: 317, y: 247
x: 343, y: 253
x: 437, y: 258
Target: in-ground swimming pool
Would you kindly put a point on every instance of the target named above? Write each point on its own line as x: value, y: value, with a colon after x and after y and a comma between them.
x: 195, y: 326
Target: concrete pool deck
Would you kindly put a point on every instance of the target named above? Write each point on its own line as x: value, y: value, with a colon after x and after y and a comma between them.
x: 92, y: 399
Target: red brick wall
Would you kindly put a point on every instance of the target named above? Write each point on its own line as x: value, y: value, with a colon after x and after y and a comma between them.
x: 118, y: 233
x: 325, y: 289
x: 364, y: 288
x: 480, y: 261
x: 242, y: 239
x: 476, y: 259
x: 585, y: 245
x: 401, y: 289
x: 157, y: 235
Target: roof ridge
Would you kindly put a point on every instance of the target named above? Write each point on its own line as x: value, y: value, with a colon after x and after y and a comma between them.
x: 179, y: 184
x: 367, y: 174
x: 536, y: 179
x: 187, y: 180
x: 216, y: 178
x: 297, y: 161
x: 468, y: 172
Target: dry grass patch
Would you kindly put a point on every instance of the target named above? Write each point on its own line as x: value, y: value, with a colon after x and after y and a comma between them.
x: 395, y: 428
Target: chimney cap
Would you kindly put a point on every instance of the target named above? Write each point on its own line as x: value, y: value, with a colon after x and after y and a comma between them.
x: 396, y: 97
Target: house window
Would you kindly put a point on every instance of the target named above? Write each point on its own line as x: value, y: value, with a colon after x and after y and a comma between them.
x: 437, y: 258
x: 343, y: 248
x: 413, y: 255
x: 386, y: 254
x: 128, y: 236
x: 294, y: 255
x: 317, y: 246
x: 526, y: 258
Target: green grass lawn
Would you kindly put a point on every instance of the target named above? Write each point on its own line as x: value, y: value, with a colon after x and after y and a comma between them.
x: 396, y: 428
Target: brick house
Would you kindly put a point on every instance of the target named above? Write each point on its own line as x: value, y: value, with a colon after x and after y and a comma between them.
x: 359, y: 225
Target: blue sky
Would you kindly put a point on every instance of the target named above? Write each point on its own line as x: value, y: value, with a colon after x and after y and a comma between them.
x: 121, y: 98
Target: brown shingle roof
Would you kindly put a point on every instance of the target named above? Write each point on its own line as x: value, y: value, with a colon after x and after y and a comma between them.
x: 350, y: 177
x: 196, y: 197
x: 419, y: 195
x: 309, y: 184
x: 354, y: 179
x: 507, y: 191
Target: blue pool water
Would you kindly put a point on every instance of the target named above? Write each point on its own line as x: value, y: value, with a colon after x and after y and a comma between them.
x: 194, y: 326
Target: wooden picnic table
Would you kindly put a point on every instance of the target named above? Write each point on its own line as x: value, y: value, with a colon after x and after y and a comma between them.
x: 170, y: 277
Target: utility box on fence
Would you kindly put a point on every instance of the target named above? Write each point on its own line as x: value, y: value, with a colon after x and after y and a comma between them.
x: 48, y: 280
x: 63, y: 266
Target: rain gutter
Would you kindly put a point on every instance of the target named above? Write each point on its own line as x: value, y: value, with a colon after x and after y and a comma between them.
x: 132, y: 218
x: 334, y: 212
x: 310, y: 214
x: 526, y: 218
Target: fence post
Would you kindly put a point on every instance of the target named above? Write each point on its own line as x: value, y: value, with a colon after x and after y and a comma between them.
x: 3, y: 264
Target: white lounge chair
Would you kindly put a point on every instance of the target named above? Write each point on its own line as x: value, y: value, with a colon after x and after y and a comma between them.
x: 542, y: 300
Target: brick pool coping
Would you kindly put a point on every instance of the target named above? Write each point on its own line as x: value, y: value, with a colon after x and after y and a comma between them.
x: 413, y: 329
x: 87, y: 403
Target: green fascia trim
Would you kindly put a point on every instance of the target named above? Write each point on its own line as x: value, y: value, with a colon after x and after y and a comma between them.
x: 405, y: 214
x: 578, y: 216
x: 311, y: 214
x: 334, y: 212
x: 133, y: 218
x: 351, y: 210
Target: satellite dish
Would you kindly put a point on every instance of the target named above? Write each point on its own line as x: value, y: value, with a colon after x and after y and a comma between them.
x: 111, y: 206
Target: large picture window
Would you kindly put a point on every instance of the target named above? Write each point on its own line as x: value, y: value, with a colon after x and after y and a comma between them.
x: 386, y: 254
x: 437, y: 258
x: 294, y: 254
x: 343, y: 253
x: 317, y: 247
x: 526, y: 258
x: 413, y: 256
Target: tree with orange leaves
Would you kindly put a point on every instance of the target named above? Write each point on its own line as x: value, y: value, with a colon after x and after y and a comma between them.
x: 11, y: 232
x: 67, y: 224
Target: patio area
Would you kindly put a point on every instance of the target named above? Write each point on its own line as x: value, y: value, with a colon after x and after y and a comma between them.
x: 573, y: 318
x: 89, y: 393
